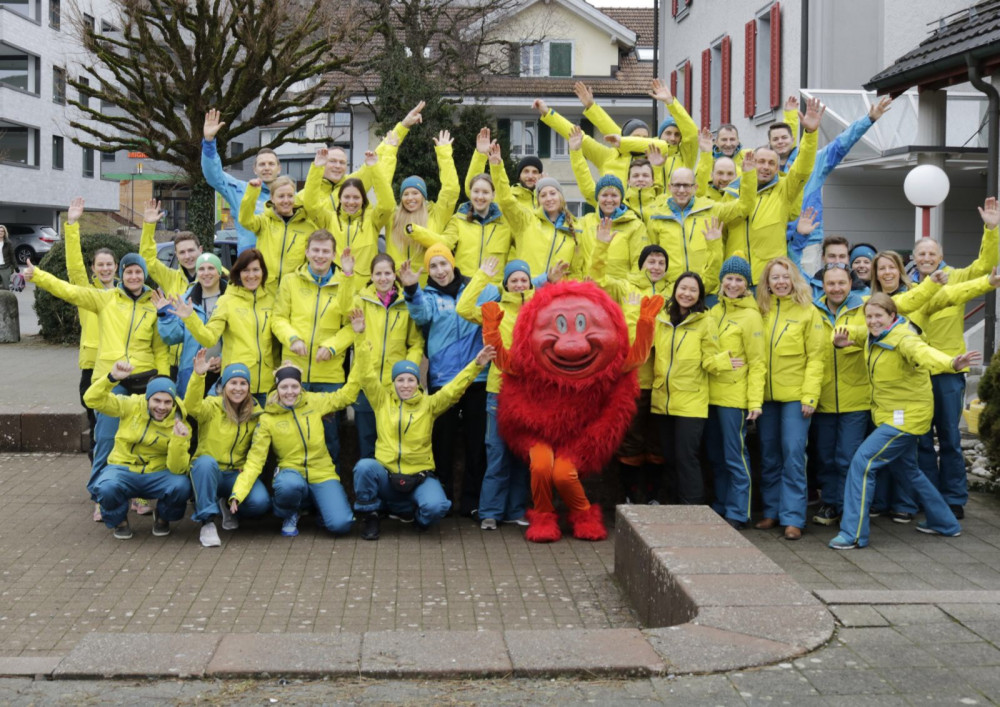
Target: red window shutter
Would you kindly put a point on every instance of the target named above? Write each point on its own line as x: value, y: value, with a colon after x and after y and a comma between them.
x: 673, y: 8
x: 673, y: 83
x: 749, y: 85
x: 724, y: 109
x: 776, y: 55
x: 706, y: 88
x: 688, y: 88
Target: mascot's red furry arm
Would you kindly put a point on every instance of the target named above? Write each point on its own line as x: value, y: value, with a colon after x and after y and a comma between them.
x: 568, y: 394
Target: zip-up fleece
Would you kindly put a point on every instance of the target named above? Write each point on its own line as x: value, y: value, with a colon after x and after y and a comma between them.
x: 684, y: 355
x: 393, y: 334
x: 219, y: 437
x: 741, y: 335
x: 795, y: 343
x: 282, y: 242
x: 473, y: 241
x: 76, y: 270
x: 845, y: 381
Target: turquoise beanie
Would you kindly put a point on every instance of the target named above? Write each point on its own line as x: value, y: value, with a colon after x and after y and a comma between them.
x: 735, y: 265
x: 667, y: 122
x: 514, y: 266
x: 609, y: 180
x: 405, y: 366
x: 235, y: 370
x: 416, y: 183
x: 160, y: 384
x: 132, y: 259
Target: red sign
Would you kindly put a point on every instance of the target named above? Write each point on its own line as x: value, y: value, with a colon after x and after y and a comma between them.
x: 137, y: 155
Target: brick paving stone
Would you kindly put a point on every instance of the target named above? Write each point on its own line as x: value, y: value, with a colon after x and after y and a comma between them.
x: 848, y: 682
x: 856, y: 615
x: 900, y: 615
x: 582, y: 652
x: 689, y: 648
x: 804, y: 627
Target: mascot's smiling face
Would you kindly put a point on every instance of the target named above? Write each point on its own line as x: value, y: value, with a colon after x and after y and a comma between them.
x: 574, y: 338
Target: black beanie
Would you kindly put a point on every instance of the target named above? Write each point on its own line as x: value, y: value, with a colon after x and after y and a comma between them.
x: 650, y: 249
x: 530, y: 161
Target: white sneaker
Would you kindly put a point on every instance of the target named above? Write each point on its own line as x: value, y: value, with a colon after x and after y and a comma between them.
x: 522, y: 522
x: 488, y: 524
x: 209, y: 535
x: 229, y: 521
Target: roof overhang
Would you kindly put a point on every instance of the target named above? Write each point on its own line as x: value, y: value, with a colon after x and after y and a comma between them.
x: 619, y: 33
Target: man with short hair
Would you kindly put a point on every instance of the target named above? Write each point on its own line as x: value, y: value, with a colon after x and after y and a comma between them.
x: 836, y: 249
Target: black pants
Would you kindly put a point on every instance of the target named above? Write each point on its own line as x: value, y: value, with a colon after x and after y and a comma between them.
x: 681, y: 437
x: 85, y: 375
x: 465, y: 420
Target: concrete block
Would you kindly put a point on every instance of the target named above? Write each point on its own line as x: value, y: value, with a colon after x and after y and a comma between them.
x: 138, y: 655
x: 702, y: 649
x: 406, y: 654
x: 13, y: 667
x: 618, y: 652
x: 10, y: 432
x: 291, y: 654
x: 52, y: 431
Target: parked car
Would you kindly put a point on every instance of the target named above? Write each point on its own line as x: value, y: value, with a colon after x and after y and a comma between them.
x: 30, y: 241
x: 225, y: 248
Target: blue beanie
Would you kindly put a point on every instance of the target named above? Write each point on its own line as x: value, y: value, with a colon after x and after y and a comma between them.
x: 632, y: 125
x: 415, y: 182
x: 405, y: 366
x: 514, y: 266
x: 735, y: 265
x: 160, y: 384
x: 608, y: 180
x: 132, y: 259
x: 667, y: 122
x: 862, y: 250
x: 235, y: 370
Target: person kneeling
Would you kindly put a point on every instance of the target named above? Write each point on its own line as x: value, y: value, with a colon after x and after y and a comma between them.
x: 401, y: 476
x: 150, y: 455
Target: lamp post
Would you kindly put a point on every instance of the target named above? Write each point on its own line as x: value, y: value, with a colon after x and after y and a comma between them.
x: 926, y: 186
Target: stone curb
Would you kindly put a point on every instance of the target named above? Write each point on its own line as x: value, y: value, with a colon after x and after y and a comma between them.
x: 43, y: 429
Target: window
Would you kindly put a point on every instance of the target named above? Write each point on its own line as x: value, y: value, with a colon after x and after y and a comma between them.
x: 715, y: 81
x: 297, y: 169
x: 762, y: 87
x: 523, y: 138
x: 55, y: 14
x: 679, y: 9
x: 59, y: 85
x: 19, y: 69
x: 560, y: 147
x: 680, y: 84
x: 107, y: 27
x: 107, y: 155
x: 89, y: 22
x: 85, y: 92
x: 32, y: 9
x: 18, y: 144
x: 269, y: 134
x: 88, y: 162
x: 547, y: 59
x: 340, y: 119
x: 57, y: 152
x: 236, y: 148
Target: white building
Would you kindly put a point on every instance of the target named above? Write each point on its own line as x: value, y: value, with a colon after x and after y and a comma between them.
x: 40, y: 167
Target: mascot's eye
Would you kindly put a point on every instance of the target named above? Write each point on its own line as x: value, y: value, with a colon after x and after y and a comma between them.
x: 561, y: 324
x: 581, y: 322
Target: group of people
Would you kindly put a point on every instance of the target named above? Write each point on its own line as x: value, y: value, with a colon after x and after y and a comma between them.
x: 847, y: 362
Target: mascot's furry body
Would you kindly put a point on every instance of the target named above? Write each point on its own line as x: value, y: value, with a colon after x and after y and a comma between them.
x: 568, y: 395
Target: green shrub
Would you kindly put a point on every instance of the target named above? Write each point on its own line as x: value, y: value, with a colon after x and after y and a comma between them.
x: 989, y: 419
x: 58, y: 320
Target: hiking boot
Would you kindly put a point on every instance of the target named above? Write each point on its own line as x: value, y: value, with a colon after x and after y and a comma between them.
x: 160, y: 526
x: 826, y: 515
x: 123, y: 531
x: 209, y: 535
x: 371, y: 528
x: 229, y: 521
x: 290, y: 526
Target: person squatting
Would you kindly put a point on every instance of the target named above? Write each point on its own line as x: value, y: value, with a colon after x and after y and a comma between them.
x: 848, y: 372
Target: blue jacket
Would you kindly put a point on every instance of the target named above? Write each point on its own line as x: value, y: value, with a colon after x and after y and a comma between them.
x: 232, y: 190
x: 451, y: 340
x: 173, y: 331
x: 812, y: 194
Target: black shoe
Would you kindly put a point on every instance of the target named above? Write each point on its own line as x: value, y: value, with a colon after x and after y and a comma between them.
x: 826, y: 515
x: 900, y: 516
x: 123, y: 531
x: 371, y: 527
x: 160, y: 526
x: 959, y: 511
x: 736, y: 524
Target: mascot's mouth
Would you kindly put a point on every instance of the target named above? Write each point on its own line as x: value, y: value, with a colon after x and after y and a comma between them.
x: 574, y: 366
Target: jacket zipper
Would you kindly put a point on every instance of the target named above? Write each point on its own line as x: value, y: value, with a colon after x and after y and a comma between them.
x: 305, y: 445
x: 256, y: 334
x: 777, y: 318
x: 399, y: 437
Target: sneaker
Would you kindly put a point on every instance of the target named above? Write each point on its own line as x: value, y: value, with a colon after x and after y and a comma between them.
x: 371, y: 527
x: 209, y: 535
x: 488, y: 524
x: 826, y: 515
x: 842, y: 542
x: 875, y: 512
x: 405, y: 517
x: 160, y: 526
x: 736, y: 524
x: 959, y: 511
x: 652, y: 502
x: 924, y: 528
x: 97, y: 513
x: 123, y: 531
x: 900, y: 516
x: 229, y: 521
x: 290, y: 526
x: 141, y: 506
x: 522, y: 521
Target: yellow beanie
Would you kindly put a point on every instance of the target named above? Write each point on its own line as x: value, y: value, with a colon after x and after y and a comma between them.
x: 438, y: 249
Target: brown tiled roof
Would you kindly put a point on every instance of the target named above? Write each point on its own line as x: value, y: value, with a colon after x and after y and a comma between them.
x: 640, y: 20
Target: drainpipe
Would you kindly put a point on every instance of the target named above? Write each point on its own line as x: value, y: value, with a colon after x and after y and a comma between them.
x: 804, y: 47
x: 656, y: 61
x: 992, y: 162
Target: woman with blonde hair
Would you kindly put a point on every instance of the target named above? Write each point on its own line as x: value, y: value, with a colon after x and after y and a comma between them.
x: 8, y: 264
x: 793, y: 338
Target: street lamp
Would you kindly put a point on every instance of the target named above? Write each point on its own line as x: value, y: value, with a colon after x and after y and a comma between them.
x: 926, y: 186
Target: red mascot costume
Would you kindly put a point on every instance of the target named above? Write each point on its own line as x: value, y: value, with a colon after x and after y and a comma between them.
x: 568, y: 394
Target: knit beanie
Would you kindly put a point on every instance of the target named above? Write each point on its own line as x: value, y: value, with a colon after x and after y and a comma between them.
x: 405, y: 366
x: 608, y: 180
x: 862, y: 251
x: 235, y: 370
x: 736, y: 264
x: 210, y: 258
x: 132, y: 259
x: 416, y: 183
x: 547, y: 182
x: 530, y: 161
x: 632, y: 125
x: 438, y: 249
x: 649, y: 250
x: 514, y: 266
x: 667, y: 122
x: 160, y: 384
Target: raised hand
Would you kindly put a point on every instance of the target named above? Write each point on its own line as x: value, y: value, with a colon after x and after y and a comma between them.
x: 75, y: 210
x: 151, y: 212
x: 485, y: 355
x: 661, y: 92
x: 633, y: 298
x: 182, y: 308
x: 879, y: 109
x: 814, y: 112
x: 200, y: 363
x: 121, y: 370
x: 940, y: 277
x: 792, y: 103
x: 298, y: 347
x: 990, y: 212
x: 391, y: 139
x: 321, y: 157
x: 604, y: 232
x: 414, y: 116
x: 558, y: 271
x: 841, y: 337
x: 575, y: 138
x: 443, y: 138
x: 614, y: 140
x: 495, y: 157
x: 371, y: 158
x: 584, y: 93
x: 212, y: 124
x: 255, y: 182
x: 966, y: 359
x: 808, y: 221
x: 705, y: 141
x: 540, y: 105
x: 160, y: 301
x: 650, y: 307
x: 492, y: 315
x: 490, y: 266
x: 655, y: 156
x: 180, y: 429
x: 357, y: 320
x: 712, y: 229
x: 749, y: 161
x: 406, y: 274
x: 483, y: 141
x: 347, y: 261
x: 28, y: 270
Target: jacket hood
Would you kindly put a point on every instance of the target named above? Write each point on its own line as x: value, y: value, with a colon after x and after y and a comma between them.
x: 492, y: 213
x: 853, y: 301
x: 747, y: 301
x: 194, y: 292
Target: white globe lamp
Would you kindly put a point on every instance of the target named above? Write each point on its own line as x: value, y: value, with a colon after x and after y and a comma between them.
x: 926, y: 186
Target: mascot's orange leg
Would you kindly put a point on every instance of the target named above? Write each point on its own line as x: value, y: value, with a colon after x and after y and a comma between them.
x: 543, y: 523
x: 586, y: 518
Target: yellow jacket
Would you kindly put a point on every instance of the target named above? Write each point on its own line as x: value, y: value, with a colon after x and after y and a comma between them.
x: 607, y: 159
x: 404, y: 427
x: 390, y: 329
x: 296, y: 435
x: 845, y: 380
x: 644, y: 200
x: 683, y: 155
x: 242, y: 318
x: 219, y: 436
x: 76, y: 270
x: 472, y: 241
x: 761, y: 236
x: 479, y: 164
x: 795, y: 352
x: 320, y: 317
x: 171, y: 281
x: 478, y: 292
x: 899, y: 367
x: 684, y: 355
x: 126, y: 326
x: 142, y: 444
x: 741, y: 335
x: 282, y: 242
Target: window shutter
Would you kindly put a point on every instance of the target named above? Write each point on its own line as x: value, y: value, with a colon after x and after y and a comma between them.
x: 503, y: 132
x: 560, y: 59
x: 726, y: 89
x: 673, y: 83
x: 586, y: 126
x: 544, y: 140
x: 673, y: 8
x: 776, y: 55
x: 750, y: 68
x: 688, y: 87
x: 706, y: 88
